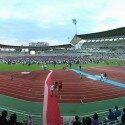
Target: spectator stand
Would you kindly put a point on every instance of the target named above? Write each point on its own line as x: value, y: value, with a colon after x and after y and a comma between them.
x: 21, y: 115
x: 67, y: 120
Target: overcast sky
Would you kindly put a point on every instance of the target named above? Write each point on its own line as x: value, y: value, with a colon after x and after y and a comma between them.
x: 24, y: 21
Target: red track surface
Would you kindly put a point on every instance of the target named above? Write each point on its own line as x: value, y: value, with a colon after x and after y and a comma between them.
x: 30, y: 87
x: 27, y: 87
x: 76, y: 90
x: 114, y: 73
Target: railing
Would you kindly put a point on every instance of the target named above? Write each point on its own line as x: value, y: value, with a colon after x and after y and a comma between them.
x: 68, y: 120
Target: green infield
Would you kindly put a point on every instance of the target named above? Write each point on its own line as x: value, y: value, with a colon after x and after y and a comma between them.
x: 20, y: 67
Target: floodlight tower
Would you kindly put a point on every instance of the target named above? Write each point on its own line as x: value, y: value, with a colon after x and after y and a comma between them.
x: 68, y: 39
x: 75, y: 22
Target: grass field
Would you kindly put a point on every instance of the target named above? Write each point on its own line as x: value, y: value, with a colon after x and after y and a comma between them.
x: 20, y: 67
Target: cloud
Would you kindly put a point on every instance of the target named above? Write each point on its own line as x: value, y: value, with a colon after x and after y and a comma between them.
x: 25, y: 20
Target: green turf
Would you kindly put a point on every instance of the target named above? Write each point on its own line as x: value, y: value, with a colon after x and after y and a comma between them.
x: 20, y: 67
x: 88, y: 108
x: 18, y: 104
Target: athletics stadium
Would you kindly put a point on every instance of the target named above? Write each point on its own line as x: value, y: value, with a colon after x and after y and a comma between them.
x: 28, y: 93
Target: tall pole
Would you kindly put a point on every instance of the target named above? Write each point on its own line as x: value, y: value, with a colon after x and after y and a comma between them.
x: 68, y: 39
x: 75, y: 22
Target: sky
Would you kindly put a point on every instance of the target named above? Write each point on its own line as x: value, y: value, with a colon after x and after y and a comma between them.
x: 25, y: 21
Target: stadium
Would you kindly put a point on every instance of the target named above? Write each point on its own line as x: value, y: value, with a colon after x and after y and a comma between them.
x: 27, y: 72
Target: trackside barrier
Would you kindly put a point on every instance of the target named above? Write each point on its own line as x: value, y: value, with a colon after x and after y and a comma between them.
x: 21, y: 115
x: 68, y: 120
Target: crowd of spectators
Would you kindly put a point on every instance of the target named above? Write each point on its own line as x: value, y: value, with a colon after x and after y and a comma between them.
x: 49, y: 60
x: 116, y: 117
x: 4, y: 120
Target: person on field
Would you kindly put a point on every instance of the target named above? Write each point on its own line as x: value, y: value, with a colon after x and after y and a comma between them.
x: 105, y: 75
x: 80, y: 76
x: 102, y: 77
x: 12, y: 77
x: 52, y: 88
x: 56, y: 87
x: 80, y: 67
x: 60, y: 86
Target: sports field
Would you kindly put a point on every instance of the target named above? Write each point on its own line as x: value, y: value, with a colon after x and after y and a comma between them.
x: 25, y: 92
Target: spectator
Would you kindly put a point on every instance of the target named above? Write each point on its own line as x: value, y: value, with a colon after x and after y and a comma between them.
x: 88, y: 120
x: 95, y: 120
x: 117, y: 112
x: 76, y: 122
x: 13, y: 120
x: 110, y: 115
x: 3, y: 119
x: 123, y: 117
x: 30, y: 121
x: 84, y: 121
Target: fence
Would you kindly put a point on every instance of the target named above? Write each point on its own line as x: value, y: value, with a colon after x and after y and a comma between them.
x: 67, y: 120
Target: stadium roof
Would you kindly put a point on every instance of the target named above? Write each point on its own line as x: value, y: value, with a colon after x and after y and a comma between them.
x: 103, y: 34
x: 37, y: 47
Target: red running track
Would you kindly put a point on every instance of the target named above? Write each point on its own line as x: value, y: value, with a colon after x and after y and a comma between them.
x: 76, y: 90
x: 31, y: 87
x: 28, y: 87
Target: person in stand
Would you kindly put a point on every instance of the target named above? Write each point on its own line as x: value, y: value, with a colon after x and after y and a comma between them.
x: 13, y: 120
x: 117, y: 112
x: 123, y: 117
x: 77, y: 122
x: 3, y: 118
x: 110, y: 116
x: 95, y: 120
x: 30, y: 121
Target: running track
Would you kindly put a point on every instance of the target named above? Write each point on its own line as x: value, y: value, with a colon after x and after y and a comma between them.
x: 31, y: 87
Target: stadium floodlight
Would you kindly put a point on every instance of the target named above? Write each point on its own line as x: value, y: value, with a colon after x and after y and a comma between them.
x: 68, y: 39
x: 75, y: 22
